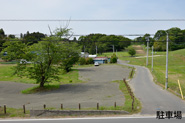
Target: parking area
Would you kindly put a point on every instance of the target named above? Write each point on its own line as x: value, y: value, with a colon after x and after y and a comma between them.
x: 99, y: 88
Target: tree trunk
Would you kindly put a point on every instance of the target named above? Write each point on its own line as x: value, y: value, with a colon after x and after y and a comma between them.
x: 42, y: 82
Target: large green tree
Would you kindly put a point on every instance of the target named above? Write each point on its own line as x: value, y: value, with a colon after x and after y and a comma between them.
x: 43, y: 61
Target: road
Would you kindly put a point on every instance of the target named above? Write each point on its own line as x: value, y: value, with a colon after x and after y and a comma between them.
x: 98, y: 120
x: 152, y: 96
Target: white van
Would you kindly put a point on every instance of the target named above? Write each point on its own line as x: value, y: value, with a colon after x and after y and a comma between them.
x: 96, y: 64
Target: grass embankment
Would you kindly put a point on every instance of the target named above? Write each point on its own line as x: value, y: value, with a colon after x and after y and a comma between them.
x: 6, y: 74
x: 12, y: 112
x: 176, y: 66
x: 128, y: 100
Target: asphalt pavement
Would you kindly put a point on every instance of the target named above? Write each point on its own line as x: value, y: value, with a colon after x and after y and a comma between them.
x: 153, y: 97
x: 98, y: 120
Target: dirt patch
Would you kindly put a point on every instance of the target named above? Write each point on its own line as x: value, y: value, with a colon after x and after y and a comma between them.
x: 139, y: 49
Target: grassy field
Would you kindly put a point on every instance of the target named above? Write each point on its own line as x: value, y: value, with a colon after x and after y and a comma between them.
x: 176, y: 68
x: 6, y: 74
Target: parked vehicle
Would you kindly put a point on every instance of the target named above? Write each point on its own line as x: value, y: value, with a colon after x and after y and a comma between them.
x: 24, y: 61
x: 96, y: 64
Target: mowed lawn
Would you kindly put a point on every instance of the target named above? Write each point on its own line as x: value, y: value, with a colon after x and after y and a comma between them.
x: 6, y: 74
x: 176, y: 66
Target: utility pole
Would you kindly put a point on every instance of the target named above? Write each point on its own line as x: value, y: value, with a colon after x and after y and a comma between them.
x: 147, y: 39
x: 96, y: 50
x: 113, y: 48
x: 152, y: 57
x: 166, y: 84
x: 84, y: 48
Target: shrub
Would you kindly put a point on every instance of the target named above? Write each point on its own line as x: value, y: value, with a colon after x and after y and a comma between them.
x: 113, y: 59
x: 132, y: 51
x: 89, y: 61
x: 82, y: 61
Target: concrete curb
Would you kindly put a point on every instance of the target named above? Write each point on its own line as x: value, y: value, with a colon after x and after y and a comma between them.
x: 36, y: 113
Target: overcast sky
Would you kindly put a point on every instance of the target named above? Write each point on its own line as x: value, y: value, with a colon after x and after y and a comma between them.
x: 92, y: 9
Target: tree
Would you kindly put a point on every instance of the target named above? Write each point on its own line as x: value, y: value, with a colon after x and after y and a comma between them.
x: 47, y: 59
x: 2, y: 37
x: 11, y: 36
x: 70, y: 55
x: 16, y: 50
x: 103, y: 42
x: 176, y: 39
x: 2, y: 34
x: 44, y: 57
x: 131, y: 51
x: 63, y: 33
x: 34, y: 37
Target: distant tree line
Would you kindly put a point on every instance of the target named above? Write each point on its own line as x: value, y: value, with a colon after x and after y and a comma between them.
x: 103, y: 43
x: 176, y: 39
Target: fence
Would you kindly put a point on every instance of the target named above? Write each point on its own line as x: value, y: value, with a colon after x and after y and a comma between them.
x: 3, y: 110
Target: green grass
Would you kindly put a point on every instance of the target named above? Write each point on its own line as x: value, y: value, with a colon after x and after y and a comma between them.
x: 132, y: 72
x: 10, y: 62
x: 12, y: 112
x: 128, y: 101
x: 176, y: 67
x: 71, y: 77
x: 6, y: 74
x: 82, y: 66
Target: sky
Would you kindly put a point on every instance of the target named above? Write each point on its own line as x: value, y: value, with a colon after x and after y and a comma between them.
x: 89, y: 10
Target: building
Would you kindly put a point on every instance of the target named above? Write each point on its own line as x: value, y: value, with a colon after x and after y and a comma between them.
x: 92, y: 56
x: 101, y: 60
x: 84, y: 54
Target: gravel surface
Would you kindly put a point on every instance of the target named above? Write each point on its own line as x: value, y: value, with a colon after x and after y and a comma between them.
x: 98, y: 89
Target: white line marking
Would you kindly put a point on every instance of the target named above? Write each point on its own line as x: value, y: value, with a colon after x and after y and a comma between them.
x: 85, y: 118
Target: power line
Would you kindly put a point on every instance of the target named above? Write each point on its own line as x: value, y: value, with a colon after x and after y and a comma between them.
x: 85, y: 41
x: 88, y: 20
x: 94, y: 33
